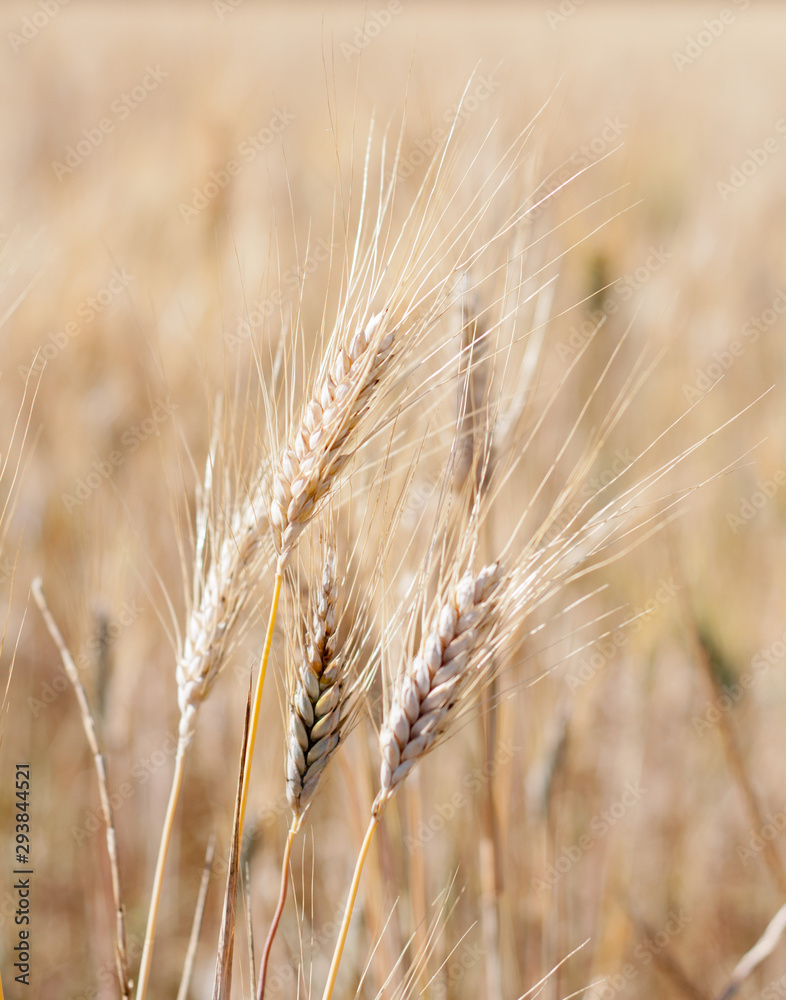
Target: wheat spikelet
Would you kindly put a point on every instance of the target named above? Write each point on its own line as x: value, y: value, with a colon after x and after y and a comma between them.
x: 318, y: 704
x: 310, y: 466
x: 225, y: 586
x: 422, y: 703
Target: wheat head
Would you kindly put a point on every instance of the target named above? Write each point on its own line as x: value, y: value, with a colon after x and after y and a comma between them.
x: 318, y: 702
x: 421, y: 706
x: 309, y: 467
x: 238, y: 553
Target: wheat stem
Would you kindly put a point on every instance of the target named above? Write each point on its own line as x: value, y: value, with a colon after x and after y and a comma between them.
x: 353, y: 891
x: 282, y: 898
x: 89, y: 726
x: 255, y: 708
x: 158, y: 878
x: 196, y: 924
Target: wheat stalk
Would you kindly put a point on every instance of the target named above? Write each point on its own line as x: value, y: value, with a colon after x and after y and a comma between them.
x: 425, y: 699
x: 318, y: 709
x: 228, y: 561
x: 310, y: 466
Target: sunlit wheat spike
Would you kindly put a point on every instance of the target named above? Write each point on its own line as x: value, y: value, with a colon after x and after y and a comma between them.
x: 309, y: 466
x: 422, y: 703
x: 318, y: 698
x: 226, y: 583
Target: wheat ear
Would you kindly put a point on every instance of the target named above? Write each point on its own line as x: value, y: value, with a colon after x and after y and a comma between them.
x: 319, y: 706
x: 310, y: 466
x: 422, y: 705
x: 222, y: 591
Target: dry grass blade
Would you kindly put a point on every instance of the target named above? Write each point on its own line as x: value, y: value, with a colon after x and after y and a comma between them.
x: 707, y: 655
x: 89, y: 726
x: 222, y: 987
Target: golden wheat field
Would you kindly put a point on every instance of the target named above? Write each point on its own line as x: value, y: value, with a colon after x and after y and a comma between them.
x: 412, y: 374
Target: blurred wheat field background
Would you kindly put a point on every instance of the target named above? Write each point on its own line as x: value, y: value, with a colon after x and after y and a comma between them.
x: 171, y: 178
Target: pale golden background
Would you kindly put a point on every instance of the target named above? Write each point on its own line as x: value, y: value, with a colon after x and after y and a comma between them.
x: 675, y: 858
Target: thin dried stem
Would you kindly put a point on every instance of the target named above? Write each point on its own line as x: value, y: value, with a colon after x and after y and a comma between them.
x: 282, y: 898
x: 158, y: 876
x: 736, y: 761
x: 196, y: 924
x: 257, y: 701
x: 222, y: 986
x: 763, y: 948
x: 88, y: 724
x: 350, y: 905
